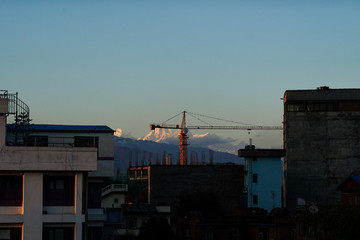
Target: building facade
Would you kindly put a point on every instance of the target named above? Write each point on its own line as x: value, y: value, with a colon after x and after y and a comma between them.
x: 322, y: 142
x: 263, y: 177
x: 51, y: 178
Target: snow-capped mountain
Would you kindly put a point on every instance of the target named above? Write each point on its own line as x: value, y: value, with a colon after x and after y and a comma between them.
x: 161, y: 135
x: 162, y: 143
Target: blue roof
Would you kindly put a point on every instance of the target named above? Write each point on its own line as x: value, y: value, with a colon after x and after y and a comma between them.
x: 356, y: 178
x: 67, y: 128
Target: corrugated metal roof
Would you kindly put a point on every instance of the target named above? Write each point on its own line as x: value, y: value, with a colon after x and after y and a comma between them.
x: 67, y: 128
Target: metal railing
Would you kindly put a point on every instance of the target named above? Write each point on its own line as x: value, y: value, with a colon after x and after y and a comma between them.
x: 16, y: 106
x: 114, y: 188
x: 48, y: 141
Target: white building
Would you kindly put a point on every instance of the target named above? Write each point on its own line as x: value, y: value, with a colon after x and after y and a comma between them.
x: 51, y: 178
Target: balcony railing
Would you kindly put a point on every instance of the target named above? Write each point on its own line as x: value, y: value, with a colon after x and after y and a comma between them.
x: 48, y: 141
x: 114, y: 188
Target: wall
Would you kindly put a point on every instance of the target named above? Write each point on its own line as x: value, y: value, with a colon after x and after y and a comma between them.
x: 268, y: 187
x: 168, y: 183
x: 48, y: 159
x: 323, y: 149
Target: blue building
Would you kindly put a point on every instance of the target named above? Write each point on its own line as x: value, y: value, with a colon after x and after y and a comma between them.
x: 263, y: 177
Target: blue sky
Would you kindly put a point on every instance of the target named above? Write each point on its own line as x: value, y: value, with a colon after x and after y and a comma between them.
x: 126, y: 64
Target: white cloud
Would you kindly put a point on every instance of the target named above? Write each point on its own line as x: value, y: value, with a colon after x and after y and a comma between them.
x: 120, y: 133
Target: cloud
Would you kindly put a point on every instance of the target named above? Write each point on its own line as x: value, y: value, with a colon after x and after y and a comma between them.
x: 120, y: 133
x: 207, y: 139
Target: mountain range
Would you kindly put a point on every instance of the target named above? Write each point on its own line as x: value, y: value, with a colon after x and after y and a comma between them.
x: 161, y: 145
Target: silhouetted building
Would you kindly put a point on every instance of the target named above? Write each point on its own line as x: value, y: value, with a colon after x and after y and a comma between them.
x: 322, y: 142
x: 170, y: 184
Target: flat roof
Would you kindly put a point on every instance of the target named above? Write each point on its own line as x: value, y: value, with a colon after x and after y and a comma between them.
x: 322, y: 94
x: 266, y: 153
x: 66, y: 128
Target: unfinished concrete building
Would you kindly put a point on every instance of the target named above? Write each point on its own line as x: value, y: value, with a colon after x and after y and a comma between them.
x: 322, y: 142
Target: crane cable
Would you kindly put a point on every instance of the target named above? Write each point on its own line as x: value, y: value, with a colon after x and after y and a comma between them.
x: 222, y: 119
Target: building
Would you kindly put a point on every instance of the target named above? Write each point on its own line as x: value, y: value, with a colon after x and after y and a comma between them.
x: 263, y: 177
x: 113, y: 197
x: 350, y: 191
x: 322, y: 142
x: 168, y: 185
x: 51, y: 176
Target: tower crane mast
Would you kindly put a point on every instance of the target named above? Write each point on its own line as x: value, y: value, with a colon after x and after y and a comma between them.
x: 183, y: 138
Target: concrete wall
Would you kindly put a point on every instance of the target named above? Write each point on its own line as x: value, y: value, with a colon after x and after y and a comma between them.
x: 47, y: 159
x: 168, y: 183
x: 109, y: 200
x: 323, y: 149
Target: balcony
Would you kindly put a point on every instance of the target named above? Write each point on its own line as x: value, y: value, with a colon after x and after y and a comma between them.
x: 114, y: 188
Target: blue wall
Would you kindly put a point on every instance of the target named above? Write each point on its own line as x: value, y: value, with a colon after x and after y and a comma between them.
x: 269, y: 181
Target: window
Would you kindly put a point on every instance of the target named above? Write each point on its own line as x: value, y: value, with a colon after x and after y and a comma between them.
x: 94, y: 233
x: 38, y: 141
x: 255, y: 178
x: 255, y: 199
x: 131, y: 222
x: 58, y: 190
x: 58, y: 233
x: 11, y: 190
x: 11, y: 233
x: 94, y: 195
x: 264, y: 234
x: 86, y: 141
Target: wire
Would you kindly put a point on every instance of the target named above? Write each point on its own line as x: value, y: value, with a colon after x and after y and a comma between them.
x: 173, y: 117
x: 200, y: 119
x: 222, y: 119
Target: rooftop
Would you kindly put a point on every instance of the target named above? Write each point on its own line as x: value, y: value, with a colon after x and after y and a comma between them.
x: 65, y: 128
x: 322, y: 93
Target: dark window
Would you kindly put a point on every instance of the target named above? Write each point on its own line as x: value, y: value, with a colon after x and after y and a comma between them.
x: 255, y: 178
x: 38, y: 141
x: 264, y: 234
x: 94, y: 233
x: 131, y: 222
x: 313, y: 106
x: 58, y: 233
x: 58, y: 190
x: 255, y: 199
x: 94, y: 195
x: 86, y: 141
x: 11, y: 233
x: 11, y: 190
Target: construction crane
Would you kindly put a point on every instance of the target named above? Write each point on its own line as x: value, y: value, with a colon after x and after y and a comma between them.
x: 183, y: 138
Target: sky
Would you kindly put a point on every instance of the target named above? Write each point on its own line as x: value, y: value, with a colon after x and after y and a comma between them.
x: 127, y: 64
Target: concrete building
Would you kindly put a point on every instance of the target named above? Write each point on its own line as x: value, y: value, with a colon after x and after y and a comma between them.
x: 322, y: 142
x: 51, y: 177
x: 263, y: 177
x: 169, y: 184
